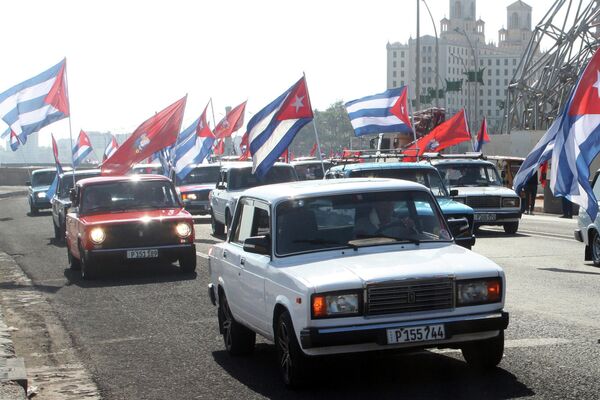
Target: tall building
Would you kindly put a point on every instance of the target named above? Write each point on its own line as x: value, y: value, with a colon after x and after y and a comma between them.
x: 462, y: 47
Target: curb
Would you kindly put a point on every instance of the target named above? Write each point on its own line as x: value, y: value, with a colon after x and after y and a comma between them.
x: 13, y: 194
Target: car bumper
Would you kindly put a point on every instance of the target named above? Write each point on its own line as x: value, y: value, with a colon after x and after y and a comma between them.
x: 345, y: 339
x: 169, y: 253
x: 197, y: 207
x: 578, y: 235
x: 495, y: 217
x: 41, y: 203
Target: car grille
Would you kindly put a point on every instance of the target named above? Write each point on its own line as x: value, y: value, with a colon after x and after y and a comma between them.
x: 139, y: 234
x: 410, y: 296
x: 484, y: 201
x: 203, y: 195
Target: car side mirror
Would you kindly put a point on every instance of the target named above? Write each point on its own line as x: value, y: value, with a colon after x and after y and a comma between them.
x: 221, y: 186
x: 73, y: 197
x: 453, y: 192
x: 458, y: 226
x: 258, y: 245
x: 27, y: 183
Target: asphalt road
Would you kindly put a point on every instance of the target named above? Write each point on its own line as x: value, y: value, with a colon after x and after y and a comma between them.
x: 151, y: 333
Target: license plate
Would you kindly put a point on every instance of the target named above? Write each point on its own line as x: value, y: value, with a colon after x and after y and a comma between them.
x: 485, y: 217
x: 415, y: 334
x: 146, y: 253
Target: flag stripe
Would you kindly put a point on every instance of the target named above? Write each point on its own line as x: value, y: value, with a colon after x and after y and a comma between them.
x: 395, y: 92
x: 381, y: 103
x: 28, y: 99
x: 42, y: 77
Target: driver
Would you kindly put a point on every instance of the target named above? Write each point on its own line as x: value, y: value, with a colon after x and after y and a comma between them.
x: 379, y: 216
x: 470, y: 177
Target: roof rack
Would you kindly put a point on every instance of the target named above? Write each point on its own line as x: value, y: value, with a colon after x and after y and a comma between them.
x: 470, y: 154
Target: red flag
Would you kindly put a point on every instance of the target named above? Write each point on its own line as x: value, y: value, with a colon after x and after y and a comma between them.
x: 57, y: 97
x: 153, y: 135
x: 219, y: 148
x: 313, y: 150
x: 231, y: 122
x: 286, y: 155
x: 482, y: 136
x: 543, y: 174
x: 54, y: 149
x: 453, y: 131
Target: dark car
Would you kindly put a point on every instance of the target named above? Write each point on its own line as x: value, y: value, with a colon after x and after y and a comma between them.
x: 310, y: 169
x: 196, y: 186
x: 41, y: 180
x: 61, y: 201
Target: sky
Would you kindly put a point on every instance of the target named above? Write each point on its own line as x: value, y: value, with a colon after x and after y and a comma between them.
x: 129, y: 59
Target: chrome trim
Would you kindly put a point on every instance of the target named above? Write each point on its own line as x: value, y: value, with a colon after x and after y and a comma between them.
x: 171, y: 246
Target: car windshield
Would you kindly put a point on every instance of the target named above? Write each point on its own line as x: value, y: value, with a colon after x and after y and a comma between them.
x: 148, y: 169
x: 356, y: 220
x: 42, y: 178
x: 426, y: 177
x: 66, y: 182
x: 242, y: 178
x: 311, y: 171
x: 127, y: 195
x: 200, y: 175
x: 470, y: 175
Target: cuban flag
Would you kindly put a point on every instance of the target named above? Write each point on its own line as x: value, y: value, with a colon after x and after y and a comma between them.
x: 52, y: 189
x: 82, y: 148
x: 482, y: 136
x: 14, y: 141
x: 35, y: 103
x: 272, y: 129
x: 195, y: 148
x: 380, y: 113
x: 111, y: 147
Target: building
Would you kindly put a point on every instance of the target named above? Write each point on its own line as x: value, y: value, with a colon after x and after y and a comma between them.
x: 462, y: 47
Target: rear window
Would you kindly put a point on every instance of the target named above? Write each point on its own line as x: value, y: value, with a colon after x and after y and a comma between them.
x: 242, y: 178
x: 66, y: 182
x: 200, y: 175
x: 426, y: 177
x: 42, y: 178
x: 311, y: 171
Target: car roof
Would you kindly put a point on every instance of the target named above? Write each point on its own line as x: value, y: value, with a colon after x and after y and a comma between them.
x: 245, y: 164
x: 462, y: 161
x: 122, y: 178
x: 284, y: 191
x: 152, y: 165
x: 381, y: 165
x: 82, y: 172
x: 213, y: 165
x: 309, y: 162
x: 41, y: 170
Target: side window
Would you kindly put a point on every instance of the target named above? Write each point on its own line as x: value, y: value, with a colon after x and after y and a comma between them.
x: 597, y: 187
x: 253, y: 220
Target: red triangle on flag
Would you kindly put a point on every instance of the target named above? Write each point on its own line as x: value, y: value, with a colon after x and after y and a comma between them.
x: 400, y: 109
x: 58, y: 95
x: 297, y: 103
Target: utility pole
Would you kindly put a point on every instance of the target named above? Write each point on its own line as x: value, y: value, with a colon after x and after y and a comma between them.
x: 418, y: 64
x: 437, y: 58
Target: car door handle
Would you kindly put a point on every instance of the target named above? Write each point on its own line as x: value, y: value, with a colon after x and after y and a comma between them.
x: 242, y: 261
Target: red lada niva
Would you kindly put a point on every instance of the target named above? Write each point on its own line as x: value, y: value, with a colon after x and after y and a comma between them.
x: 128, y: 218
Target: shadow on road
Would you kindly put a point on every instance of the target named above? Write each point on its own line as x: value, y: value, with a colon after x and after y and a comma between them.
x: 410, y: 376
x: 56, y: 243
x: 130, y: 274
x: 207, y: 241
x: 40, y: 214
x: 488, y: 233
x: 569, y: 271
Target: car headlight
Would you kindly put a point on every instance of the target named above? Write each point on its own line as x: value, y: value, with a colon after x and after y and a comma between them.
x: 97, y: 235
x: 40, y: 195
x: 183, y: 230
x: 478, y: 291
x: 189, y: 196
x: 510, y: 202
x: 460, y: 199
x: 335, y: 305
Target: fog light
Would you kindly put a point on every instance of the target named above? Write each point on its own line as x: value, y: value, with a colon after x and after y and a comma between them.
x: 183, y: 230
x: 97, y: 235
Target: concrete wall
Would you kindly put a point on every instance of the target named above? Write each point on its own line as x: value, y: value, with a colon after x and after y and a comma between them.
x: 15, y: 176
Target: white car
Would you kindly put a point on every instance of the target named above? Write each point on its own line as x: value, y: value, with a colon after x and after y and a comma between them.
x: 352, y: 265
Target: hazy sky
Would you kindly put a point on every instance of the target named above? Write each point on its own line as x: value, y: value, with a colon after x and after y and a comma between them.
x: 128, y: 59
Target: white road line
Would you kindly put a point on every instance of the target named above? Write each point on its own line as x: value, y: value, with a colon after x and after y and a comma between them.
x: 518, y: 343
x: 202, y: 255
x: 556, y: 236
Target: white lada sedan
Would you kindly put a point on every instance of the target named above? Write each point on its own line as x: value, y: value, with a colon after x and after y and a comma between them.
x: 352, y: 265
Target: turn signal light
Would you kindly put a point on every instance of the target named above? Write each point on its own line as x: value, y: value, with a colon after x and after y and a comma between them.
x: 493, y: 288
x: 319, y: 308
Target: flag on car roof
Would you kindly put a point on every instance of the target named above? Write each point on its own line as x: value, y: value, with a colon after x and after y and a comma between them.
x: 152, y: 135
x: 380, y: 113
x: 111, y: 147
x: 196, y: 148
x: 35, y: 103
x: 273, y: 128
x: 231, y: 122
x: 81, y: 149
x: 482, y: 137
x: 244, y: 148
x: 449, y: 133
x: 14, y: 141
x: 52, y: 189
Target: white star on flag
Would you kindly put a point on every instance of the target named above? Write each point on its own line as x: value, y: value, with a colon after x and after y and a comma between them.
x: 298, y: 103
x: 597, y: 84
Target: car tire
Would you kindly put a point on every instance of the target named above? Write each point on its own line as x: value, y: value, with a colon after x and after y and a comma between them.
x: 56, y: 231
x: 595, y: 246
x: 74, y: 263
x: 511, y: 227
x: 187, y: 263
x: 88, y: 267
x: 217, y: 227
x: 227, y: 219
x: 484, y: 354
x: 238, y: 339
x: 293, y: 364
x: 32, y: 209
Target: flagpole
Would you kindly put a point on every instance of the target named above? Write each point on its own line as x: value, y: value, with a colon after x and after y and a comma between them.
x: 70, y: 128
x: 414, y: 128
x: 315, y: 129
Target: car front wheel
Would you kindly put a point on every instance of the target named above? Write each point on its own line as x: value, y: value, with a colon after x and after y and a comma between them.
x: 74, y: 263
x: 217, y: 227
x: 484, y: 354
x: 88, y: 267
x: 238, y: 339
x: 511, y: 227
x: 32, y: 209
x: 595, y: 244
x: 293, y: 364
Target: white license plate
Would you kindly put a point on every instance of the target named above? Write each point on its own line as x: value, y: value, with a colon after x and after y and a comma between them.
x: 146, y: 253
x: 485, y: 217
x: 416, y: 334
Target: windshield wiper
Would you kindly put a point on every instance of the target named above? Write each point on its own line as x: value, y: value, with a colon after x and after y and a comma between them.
x: 324, y: 241
x: 377, y: 236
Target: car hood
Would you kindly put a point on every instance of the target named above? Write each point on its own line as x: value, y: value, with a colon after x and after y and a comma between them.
x: 355, y: 269
x: 484, y: 191
x: 134, y: 216
x: 449, y: 206
x: 195, y: 188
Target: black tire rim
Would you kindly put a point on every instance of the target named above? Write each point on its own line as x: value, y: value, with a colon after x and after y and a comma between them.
x: 83, y: 264
x: 596, y: 248
x: 227, y: 324
x: 283, y: 345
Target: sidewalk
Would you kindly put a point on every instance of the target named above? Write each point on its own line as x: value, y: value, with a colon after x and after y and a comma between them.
x: 12, y: 191
x: 13, y: 376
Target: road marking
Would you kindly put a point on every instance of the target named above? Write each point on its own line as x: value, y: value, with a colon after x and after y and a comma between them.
x: 545, y: 235
x: 518, y: 343
x: 202, y: 255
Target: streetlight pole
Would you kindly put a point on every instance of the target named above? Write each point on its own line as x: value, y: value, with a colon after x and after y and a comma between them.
x: 418, y: 65
x: 437, y: 57
x: 474, y: 70
x: 467, y: 72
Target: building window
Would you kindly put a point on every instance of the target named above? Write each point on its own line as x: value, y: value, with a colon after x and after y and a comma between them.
x: 481, y: 103
x: 506, y: 82
x: 394, y: 74
x: 401, y: 83
x: 506, y: 61
x: 505, y: 71
x: 402, y: 64
x: 394, y: 84
x: 497, y: 61
x: 458, y: 10
x: 490, y: 91
x: 402, y: 74
x: 489, y: 84
x: 394, y: 64
x: 514, y: 61
x: 429, y: 80
x: 402, y: 54
x: 394, y: 53
x: 481, y: 92
x: 489, y: 71
x: 497, y: 82
x: 514, y: 21
x: 489, y: 102
x: 497, y: 92
x: 489, y: 61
